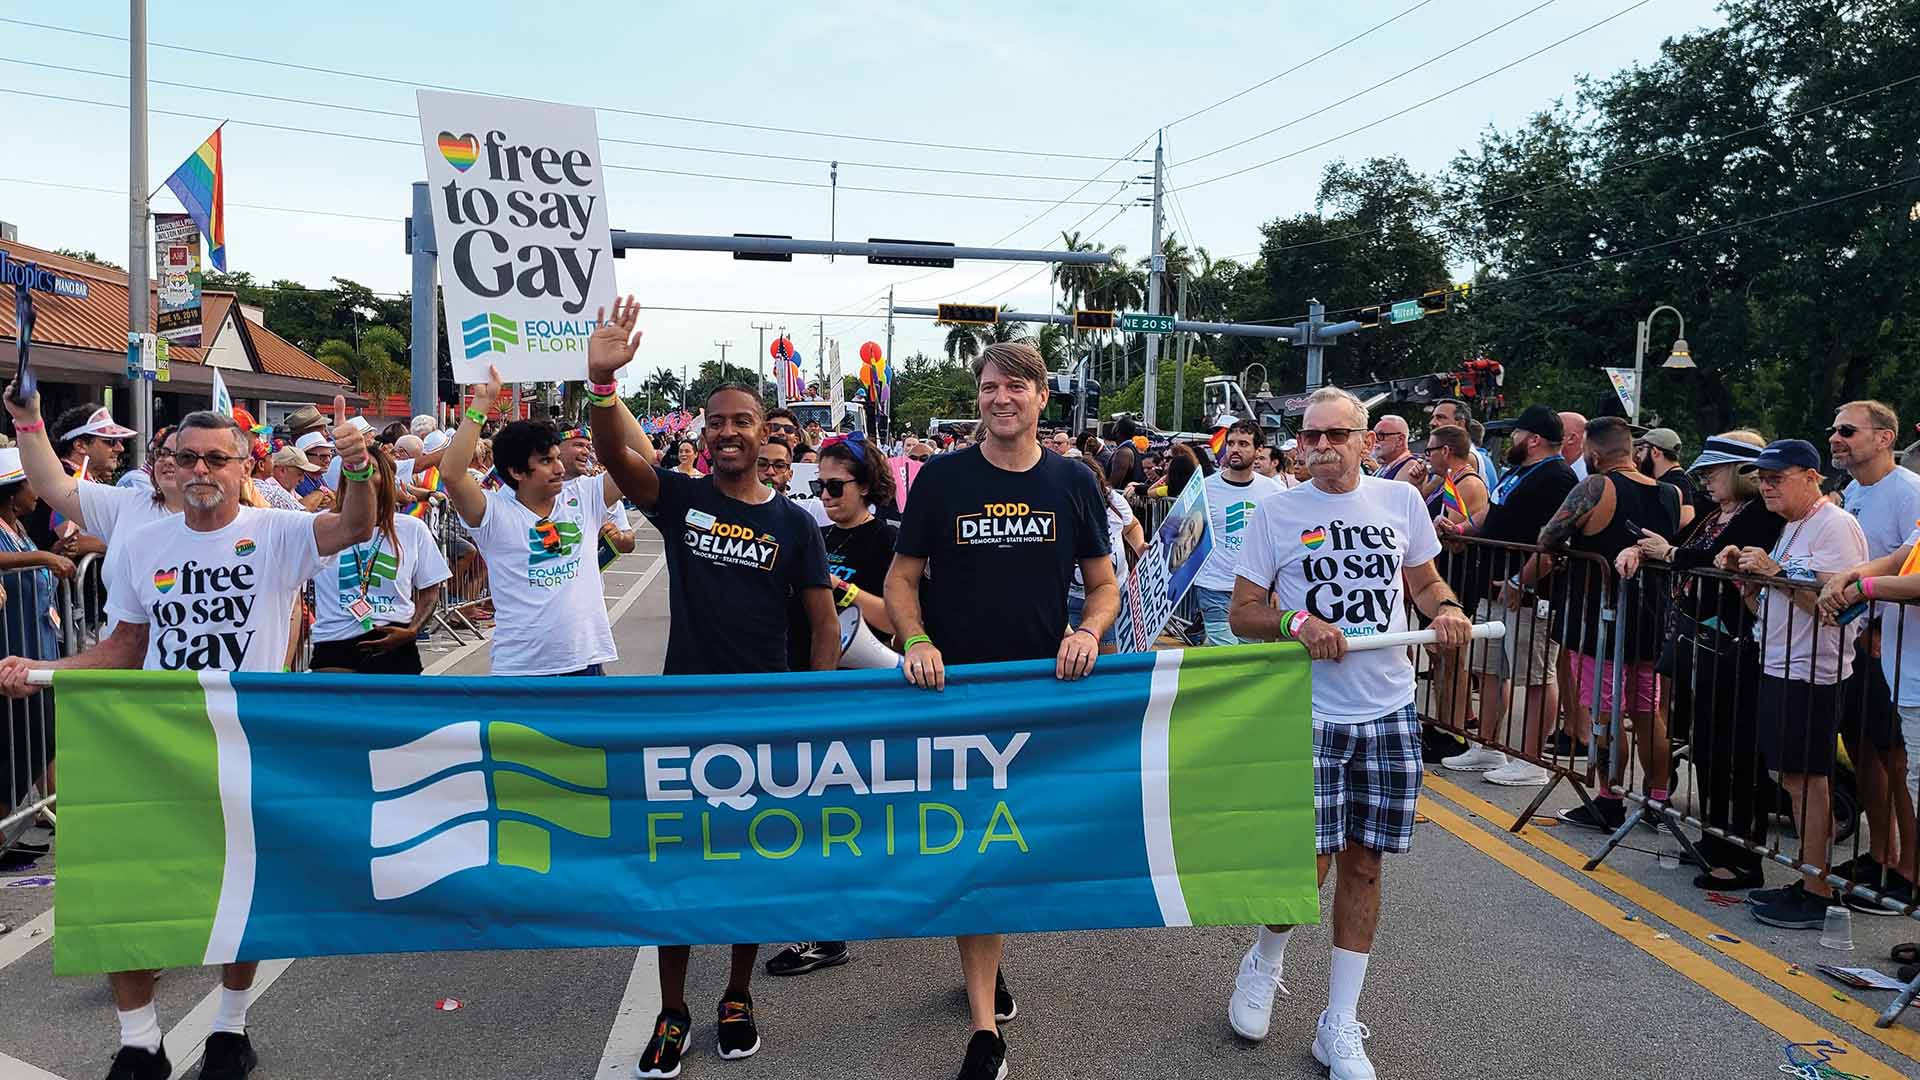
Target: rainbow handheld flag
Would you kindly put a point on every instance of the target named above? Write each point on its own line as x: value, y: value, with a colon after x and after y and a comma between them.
x: 1450, y: 497
x: 432, y: 481
x: 200, y: 185
x: 1218, y: 442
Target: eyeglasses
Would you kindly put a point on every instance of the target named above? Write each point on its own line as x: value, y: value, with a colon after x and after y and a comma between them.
x: 1775, y: 479
x: 1848, y: 431
x: 834, y: 487
x: 781, y: 425
x: 1335, y: 436
x: 1378, y: 434
x: 1436, y: 450
x: 187, y: 459
x: 769, y: 463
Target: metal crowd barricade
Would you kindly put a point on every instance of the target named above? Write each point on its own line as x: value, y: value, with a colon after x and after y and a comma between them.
x: 466, y: 595
x: 1768, y: 693
x: 81, y: 602
x: 27, y: 628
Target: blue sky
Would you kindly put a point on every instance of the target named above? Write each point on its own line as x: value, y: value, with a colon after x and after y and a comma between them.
x: 1066, y: 79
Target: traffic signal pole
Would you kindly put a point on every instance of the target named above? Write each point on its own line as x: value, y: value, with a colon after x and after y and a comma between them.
x: 1150, y: 397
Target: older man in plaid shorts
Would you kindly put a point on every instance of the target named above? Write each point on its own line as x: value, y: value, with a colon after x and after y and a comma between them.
x: 1343, y: 554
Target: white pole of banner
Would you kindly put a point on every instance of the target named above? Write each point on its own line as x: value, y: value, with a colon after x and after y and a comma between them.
x: 1481, y: 632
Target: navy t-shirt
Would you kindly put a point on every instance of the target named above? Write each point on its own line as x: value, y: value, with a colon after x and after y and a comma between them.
x: 1000, y: 549
x: 732, y: 567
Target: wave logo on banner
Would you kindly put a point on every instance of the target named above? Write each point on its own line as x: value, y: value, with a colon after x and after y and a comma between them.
x: 487, y: 332
x: 438, y: 786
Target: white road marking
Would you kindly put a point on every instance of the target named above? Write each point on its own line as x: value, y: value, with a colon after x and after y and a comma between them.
x: 633, y: 594
x: 14, y: 1069
x: 633, y: 1020
x: 24, y: 939
x: 188, y: 1040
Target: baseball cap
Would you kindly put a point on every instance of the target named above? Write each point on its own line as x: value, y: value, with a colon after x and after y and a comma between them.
x: 1785, y: 454
x: 292, y: 457
x: 1665, y: 438
x: 100, y: 425
x: 435, y: 440
x: 1541, y: 421
x: 310, y: 440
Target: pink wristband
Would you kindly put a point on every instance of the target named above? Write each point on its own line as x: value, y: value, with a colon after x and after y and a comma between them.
x: 37, y: 425
x: 1866, y: 587
x: 608, y: 388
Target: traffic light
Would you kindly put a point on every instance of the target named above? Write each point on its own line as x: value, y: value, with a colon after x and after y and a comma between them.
x: 1094, y: 320
x: 1435, y: 302
x: 1370, y: 318
x: 969, y: 314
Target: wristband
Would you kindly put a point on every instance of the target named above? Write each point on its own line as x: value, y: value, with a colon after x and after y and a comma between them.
x: 918, y: 639
x: 1452, y: 603
x: 476, y: 415
x: 364, y: 474
x: 848, y: 595
x: 23, y: 429
x: 1089, y: 633
x: 600, y: 401
x: 1293, y: 623
x: 1866, y: 587
x: 603, y: 389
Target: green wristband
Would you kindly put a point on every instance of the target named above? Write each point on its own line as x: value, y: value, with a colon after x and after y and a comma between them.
x: 476, y: 415
x: 918, y: 639
x: 365, y: 474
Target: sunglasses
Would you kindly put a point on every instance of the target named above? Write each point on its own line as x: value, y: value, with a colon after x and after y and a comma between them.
x: 834, y: 487
x: 187, y: 459
x: 1848, y: 431
x: 1335, y: 436
x: 781, y: 425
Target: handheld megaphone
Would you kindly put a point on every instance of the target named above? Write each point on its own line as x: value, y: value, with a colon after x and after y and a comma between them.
x: 859, y: 648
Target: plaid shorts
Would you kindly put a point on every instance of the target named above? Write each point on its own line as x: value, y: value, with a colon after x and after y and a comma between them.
x: 1366, y: 781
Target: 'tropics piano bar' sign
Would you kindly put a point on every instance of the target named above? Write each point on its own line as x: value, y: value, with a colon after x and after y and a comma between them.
x: 14, y: 272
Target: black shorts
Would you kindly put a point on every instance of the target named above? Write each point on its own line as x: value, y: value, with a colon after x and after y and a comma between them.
x: 1867, y: 709
x: 348, y: 654
x: 1798, y: 723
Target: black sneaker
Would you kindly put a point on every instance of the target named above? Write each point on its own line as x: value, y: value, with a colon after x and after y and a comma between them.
x: 1864, y: 869
x: 986, y: 1057
x: 661, y: 1059
x: 1610, y: 815
x: 804, y: 956
x: 1804, y: 911
x: 1562, y: 746
x: 1759, y: 897
x: 1004, y: 1007
x: 230, y: 1056
x: 737, y: 1037
x: 133, y: 1063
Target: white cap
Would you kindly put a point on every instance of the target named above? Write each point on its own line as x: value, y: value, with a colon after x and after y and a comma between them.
x: 360, y: 424
x: 435, y: 440
x: 422, y: 424
x: 310, y: 440
x: 11, y: 471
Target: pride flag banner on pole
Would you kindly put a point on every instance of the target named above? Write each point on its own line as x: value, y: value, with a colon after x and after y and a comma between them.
x: 208, y: 817
x: 200, y: 183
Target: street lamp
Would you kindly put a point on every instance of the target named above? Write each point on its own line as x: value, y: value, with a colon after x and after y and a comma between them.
x: 1680, y: 357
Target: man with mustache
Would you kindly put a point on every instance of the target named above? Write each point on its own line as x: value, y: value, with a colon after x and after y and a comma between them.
x: 737, y: 553
x: 209, y: 589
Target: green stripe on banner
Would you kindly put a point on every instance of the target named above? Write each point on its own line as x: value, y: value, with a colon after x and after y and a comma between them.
x: 143, y: 838
x: 1230, y: 747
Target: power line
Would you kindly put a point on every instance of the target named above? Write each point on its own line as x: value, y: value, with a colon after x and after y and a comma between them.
x: 1609, y: 170
x: 396, y: 114
x: 237, y: 205
x: 1436, y: 58
x: 415, y: 84
x: 1419, y: 104
x: 1011, y: 267
x: 610, y: 165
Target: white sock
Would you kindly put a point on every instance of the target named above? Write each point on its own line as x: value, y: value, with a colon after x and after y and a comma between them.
x: 140, y: 1027
x: 232, y: 1014
x: 1273, y: 947
x: 1345, y: 978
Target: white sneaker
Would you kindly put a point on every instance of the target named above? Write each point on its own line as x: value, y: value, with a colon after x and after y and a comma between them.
x: 1476, y: 759
x: 1338, y: 1045
x: 1518, y: 773
x: 1251, y: 1010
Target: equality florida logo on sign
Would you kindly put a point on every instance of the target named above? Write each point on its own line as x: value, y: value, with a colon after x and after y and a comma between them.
x: 462, y: 797
x: 1005, y: 523
x: 520, y: 223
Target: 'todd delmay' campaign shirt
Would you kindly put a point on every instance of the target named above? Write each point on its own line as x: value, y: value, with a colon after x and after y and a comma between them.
x: 1340, y: 558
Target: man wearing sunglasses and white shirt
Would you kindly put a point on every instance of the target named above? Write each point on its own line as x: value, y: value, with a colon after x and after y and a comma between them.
x: 1342, y: 554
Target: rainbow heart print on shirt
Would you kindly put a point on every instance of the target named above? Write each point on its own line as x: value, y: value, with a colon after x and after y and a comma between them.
x: 164, y: 579
x: 1313, y: 538
x: 243, y: 547
x: 461, y: 151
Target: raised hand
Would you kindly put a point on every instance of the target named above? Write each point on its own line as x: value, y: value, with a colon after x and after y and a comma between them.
x: 614, y: 341
x: 23, y: 412
x: 348, y: 440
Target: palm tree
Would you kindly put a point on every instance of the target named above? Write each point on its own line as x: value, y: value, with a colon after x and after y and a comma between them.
x: 963, y: 343
x: 373, y: 366
x: 662, y: 384
x: 1001, y: 332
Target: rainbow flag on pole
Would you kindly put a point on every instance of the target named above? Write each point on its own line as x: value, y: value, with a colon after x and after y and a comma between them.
x: 200, y: 185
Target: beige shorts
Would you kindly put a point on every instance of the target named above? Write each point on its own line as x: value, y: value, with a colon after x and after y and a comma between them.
x: 1524, y: 657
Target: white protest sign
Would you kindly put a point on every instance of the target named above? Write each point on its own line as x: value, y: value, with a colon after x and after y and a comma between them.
x: 520, y: 220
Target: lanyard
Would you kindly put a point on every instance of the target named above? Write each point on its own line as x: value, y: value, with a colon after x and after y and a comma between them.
x: 1512, y: 480
x: 365, y: 570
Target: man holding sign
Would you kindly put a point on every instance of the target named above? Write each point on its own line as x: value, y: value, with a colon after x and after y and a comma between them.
x: 1342, y: 554
x: 211, y: 589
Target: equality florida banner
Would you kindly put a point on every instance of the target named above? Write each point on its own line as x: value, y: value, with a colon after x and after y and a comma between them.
x: 209, y: 818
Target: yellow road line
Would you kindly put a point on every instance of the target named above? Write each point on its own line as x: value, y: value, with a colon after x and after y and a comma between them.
x: 1762, y: 1008
x: 1806, y: 985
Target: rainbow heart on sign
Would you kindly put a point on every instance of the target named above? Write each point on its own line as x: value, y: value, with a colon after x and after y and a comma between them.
x: 164, y: 579
x: 461, y: 151
x: 1313, y: 538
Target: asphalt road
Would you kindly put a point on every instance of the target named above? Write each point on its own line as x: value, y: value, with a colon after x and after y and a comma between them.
x: 1495, y: 958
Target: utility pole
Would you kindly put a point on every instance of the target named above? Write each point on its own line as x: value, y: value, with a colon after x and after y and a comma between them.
x: 820, y: 349
x: 833, y: 203
x: 1150, y: 399
x: 1180, y: 364
x: 723, y: 346
x: 760, y: 365
x: 139, y: 256
x: 1316, y: 354
x: 424, y: 347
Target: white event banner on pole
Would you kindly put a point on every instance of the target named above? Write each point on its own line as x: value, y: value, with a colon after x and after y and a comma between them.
x: 520, y: 218
x: 1622, y: 379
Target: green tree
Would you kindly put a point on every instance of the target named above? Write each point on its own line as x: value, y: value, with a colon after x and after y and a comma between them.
x: 374, y: 367
x: 1131, y: 397
x: 963, y: 343
x: 87, y: 256
x: 926, y: 387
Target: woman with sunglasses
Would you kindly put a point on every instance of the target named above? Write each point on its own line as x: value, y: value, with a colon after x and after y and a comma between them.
x: 855, y: 477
